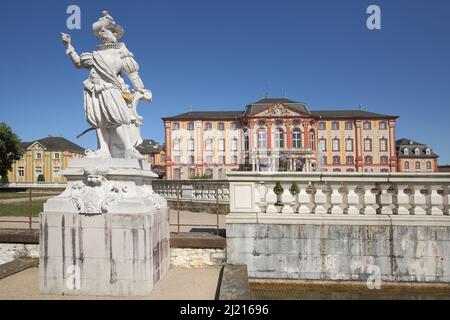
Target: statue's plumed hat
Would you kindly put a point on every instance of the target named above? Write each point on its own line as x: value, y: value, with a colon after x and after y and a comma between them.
x: 107, y: 22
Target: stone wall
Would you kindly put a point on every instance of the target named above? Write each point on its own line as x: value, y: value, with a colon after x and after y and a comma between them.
x: 11, y: 251
x: 196, y: 258
x: 341, y: 252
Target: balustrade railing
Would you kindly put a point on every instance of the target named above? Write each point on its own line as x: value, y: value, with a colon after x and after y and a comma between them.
x: 349, y: 194
x: 205, y: 191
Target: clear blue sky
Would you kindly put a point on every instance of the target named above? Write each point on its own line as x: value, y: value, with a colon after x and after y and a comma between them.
x: 214, y: 55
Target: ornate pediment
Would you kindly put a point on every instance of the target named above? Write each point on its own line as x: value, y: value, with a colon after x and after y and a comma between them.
x: 278, y: 110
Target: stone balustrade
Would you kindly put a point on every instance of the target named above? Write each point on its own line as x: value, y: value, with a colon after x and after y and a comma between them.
x: 338, y: 194
x: 201, y: 191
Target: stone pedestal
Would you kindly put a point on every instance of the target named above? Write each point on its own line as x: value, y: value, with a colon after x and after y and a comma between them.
x: 107, y: 233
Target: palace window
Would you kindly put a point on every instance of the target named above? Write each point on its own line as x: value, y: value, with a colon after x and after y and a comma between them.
x: 177, y: 173
x: 262, y: 138
x: 367, y: 125
x: 234, y: 125
x: 208, y: 126
x: 175, y: 126
x: 335, y: 144
x: 234, y: 159
x: 234, y: 144
x: 221, y: 159
x: 312, y: 141
x: 21, y: 171
x: 368, y: 160
x: 406, y: 166
x: 383, y: 144
x: 208, y: 145
x: 221, y: 144
x: 384, y: 159
x: 191, y: 159
x: 209, y: 172
x: 322, y: 145
x: 279, y: 138
x: 335, y: 125
x: 176, y: 144
x: 56, y: 171
x: 428, y: 151
x: 279, y: 122
x: 325, y: 159
x: 417, y: 152
x: 191, y: 144
x: 336, y: 170
x: 348, y: 125
x: 208, y: 159
x: 296, y: 122
x: 417, y: 165
x: 384, y: 170
x: 349, y: 160
x: 176, y: 159
x: 246, y: 141
x: 190, y: 126
x: 406, y: 151
x: 350, y: 170
x: 56, y: 156
x: 261, y: 122
x: 322, y: 125
x: 221, y: 173
x: 221, y: 126
x: 336, y: 160
x: 349, y: 144
x: 428, y: 165
x: 296, y: 138
x: 38, y: 155
x: 383, y: 125
x: 191, y: 172
x: 367, y: 144
x: 38, y: 171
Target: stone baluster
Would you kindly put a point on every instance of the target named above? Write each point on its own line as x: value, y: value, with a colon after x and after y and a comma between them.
x: 370, y: 199
x: 446, y: 198
x: 320, y: 199
x: 352, y: 199
x: 271, y: 199
x: 436, y: 200
x: 304, y: 199
x: 336, y: 198
x: 260, y: 197
x: 386, y: 199
x: 287, y: 199
x: 402, y: 200
x: 419, y: 200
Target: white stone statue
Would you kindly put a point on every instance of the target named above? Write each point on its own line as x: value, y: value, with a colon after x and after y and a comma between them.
x: 109, y: 104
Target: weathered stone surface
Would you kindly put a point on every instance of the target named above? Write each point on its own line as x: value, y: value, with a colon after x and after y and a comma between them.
x: 234, y: 285
x: 108, y: 257
x: 197, y: 258
x: 341, y: 252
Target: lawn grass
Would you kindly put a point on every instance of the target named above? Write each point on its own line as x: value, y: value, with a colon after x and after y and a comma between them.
x: 16, y: 195
x: 20, y: 209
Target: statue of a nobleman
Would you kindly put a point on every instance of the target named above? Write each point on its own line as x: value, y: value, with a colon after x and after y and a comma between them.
x: 109, y: 104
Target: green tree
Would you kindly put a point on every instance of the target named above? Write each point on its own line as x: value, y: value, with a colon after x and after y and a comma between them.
x: 10, y: 149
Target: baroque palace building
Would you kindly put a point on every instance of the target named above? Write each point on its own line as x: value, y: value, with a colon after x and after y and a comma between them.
x: 44, y: 157
x: 280, y: 135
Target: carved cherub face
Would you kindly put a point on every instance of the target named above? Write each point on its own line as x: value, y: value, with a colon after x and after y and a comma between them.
x: 107, y: 36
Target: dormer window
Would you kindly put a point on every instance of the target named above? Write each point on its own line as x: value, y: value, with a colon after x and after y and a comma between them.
x: 428, y: 151
x: 406, y: 151
x: 417, y: 152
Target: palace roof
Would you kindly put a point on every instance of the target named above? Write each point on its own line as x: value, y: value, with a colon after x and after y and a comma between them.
x: 200, y: 115
x: 357, y: 113
x: 55, y: 144
x: 411, y: 145
x: 149, y: 146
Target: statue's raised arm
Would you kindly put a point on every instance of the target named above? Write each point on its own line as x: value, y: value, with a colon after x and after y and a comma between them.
x: 110, y: 106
